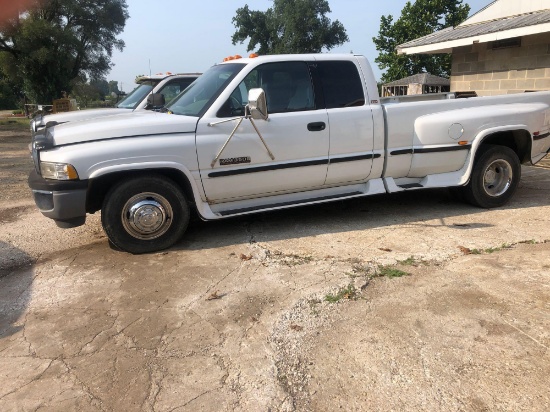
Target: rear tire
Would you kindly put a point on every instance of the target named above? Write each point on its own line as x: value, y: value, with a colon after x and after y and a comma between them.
x: 495, y: 177
x: 145, y: 214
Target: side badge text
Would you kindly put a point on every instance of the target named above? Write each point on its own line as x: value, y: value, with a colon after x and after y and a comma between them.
x: 235, y: 160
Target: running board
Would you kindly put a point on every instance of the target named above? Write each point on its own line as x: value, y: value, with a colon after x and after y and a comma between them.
x: 287, y: 200
x: 286, y: 204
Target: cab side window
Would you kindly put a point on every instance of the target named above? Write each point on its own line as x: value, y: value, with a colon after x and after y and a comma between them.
x: 342, y: 85
x: 287, y: 87
x: 173, y: 88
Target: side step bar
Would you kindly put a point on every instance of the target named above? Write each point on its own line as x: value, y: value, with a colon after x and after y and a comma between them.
x: 230, y: 212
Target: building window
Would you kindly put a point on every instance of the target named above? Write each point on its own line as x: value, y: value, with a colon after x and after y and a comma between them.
x: 435, y: 89
x: 389, y: 91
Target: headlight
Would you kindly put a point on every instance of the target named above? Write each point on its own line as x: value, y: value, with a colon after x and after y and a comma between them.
x: 58, y: 171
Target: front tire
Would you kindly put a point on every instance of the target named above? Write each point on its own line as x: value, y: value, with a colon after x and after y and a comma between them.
x: 145, y: 214
x: 495, y: 177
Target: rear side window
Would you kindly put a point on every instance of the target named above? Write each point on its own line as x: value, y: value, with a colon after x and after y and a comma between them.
x: 174, y: 87
x: 342, y: 85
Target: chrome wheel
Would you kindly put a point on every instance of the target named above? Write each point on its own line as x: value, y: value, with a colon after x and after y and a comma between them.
x: 147, y: 216
x: 494, y: 178
x: 498, y: 177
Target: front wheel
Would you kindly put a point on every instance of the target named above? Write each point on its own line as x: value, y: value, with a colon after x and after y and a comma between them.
x: 495, y: 177
x: 145, y: 214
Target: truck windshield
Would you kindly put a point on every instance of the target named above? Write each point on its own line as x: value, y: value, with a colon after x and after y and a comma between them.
x: 137, y: 95
x: 198, y: 97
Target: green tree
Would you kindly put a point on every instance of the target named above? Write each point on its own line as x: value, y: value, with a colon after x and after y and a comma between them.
x: 417, y: 20
x: 113, y: 87
x: 84, y: 93
x: 290, y: 26
x: 10, y: 92
x: 58, y: 43
x: 102, y: 87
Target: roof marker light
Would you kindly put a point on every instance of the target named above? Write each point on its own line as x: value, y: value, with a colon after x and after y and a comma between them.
x: 235, y: 57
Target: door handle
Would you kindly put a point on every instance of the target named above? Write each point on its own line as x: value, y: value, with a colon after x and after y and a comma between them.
x: 316, y: 126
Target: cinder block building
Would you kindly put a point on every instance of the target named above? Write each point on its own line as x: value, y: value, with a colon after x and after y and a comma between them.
x: 503, y: 48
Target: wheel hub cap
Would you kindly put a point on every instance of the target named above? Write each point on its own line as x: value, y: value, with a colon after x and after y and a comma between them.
x: 497, y: 178
x: 147, y: 216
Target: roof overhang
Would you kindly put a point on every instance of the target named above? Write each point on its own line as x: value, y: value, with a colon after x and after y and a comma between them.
x: 447, y: 46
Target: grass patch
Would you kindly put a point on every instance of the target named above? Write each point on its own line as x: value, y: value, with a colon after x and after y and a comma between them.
x: 294, y: 260
x: 412, y: 261
x: 490, y: 249
x: 15, y: 122
x: 391, y: 272
x: 348, y: 292
x: 529, y: 242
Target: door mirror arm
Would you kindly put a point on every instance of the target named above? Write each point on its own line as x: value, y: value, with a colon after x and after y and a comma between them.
x: 255, y: 109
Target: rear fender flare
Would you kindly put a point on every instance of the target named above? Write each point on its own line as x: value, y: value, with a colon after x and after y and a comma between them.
x: 478, y: 141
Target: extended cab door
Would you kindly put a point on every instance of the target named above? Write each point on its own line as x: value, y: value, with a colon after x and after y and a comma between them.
x: 351, y: 121
x: 296, y: 133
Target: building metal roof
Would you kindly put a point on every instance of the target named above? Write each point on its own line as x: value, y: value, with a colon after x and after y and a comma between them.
x: 421, y: 78
x: 444, y: 40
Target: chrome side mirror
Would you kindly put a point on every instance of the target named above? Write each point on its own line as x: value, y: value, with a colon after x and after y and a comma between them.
x: 257, y: 104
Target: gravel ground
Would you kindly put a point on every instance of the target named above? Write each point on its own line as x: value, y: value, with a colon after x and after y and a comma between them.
x: 402, y: 302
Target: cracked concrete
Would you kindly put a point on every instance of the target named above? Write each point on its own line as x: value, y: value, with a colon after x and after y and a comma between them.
x: 234, y: 317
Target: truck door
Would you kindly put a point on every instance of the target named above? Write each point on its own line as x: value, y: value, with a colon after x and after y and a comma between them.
x: 351, y: 122
x: 296, y: 133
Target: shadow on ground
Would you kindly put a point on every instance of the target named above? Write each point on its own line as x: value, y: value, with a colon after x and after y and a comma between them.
x: 16, y: 276
x: 424, y: 208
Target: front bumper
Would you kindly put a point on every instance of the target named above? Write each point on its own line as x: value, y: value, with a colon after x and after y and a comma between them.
x: 62, y: 201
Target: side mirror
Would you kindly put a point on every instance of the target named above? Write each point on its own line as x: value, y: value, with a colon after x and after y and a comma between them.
x: 257, y: 104
x: 155, y: 101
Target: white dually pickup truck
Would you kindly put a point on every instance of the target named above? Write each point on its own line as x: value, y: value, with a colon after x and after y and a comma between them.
x: 273, y: 132
x: 163, y: 87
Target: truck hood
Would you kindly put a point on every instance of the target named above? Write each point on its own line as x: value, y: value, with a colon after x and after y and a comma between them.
x: 83, y: 115
x: 120, y: 126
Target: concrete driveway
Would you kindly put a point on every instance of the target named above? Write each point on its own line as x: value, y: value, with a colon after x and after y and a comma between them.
x: 304, y: 309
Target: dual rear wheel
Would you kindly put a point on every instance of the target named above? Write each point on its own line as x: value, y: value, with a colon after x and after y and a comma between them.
x: 495, y: 177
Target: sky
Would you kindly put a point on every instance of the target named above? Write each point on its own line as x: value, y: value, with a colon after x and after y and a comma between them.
x: 184, y: 36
